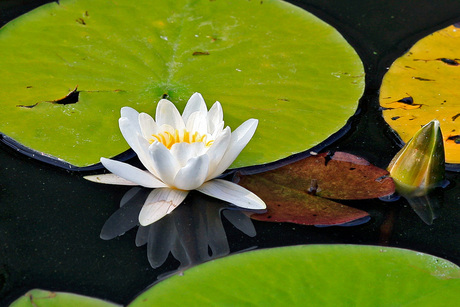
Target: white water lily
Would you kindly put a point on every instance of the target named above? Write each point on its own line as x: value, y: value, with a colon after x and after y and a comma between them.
x: 181, y: 153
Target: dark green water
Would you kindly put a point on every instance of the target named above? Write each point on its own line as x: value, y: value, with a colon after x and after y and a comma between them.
x: 50, y: 219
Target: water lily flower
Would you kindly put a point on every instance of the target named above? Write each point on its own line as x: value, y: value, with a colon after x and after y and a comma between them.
x: 180, y: 154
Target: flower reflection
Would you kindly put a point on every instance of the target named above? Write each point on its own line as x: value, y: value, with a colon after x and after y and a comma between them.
x: 193, y: 233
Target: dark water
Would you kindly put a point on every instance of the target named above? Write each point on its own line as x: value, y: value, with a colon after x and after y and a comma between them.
x: 50, y: 219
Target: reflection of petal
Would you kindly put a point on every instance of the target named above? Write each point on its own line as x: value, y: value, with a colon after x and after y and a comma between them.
x: 193, y: 233
x: 217, y: 238
x: 232, y: 193
x: 159, y: 203
x: 179, y: 252
x: 129, y: 196
x: 126, y: 217
x: 142, y: 235
x: 241, y: 221
x: 159, y: 243
x: 191, y: 245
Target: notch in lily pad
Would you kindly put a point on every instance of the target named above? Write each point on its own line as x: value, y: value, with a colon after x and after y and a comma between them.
x: 71, y: 98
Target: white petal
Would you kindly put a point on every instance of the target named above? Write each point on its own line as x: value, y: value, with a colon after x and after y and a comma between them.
x: 159, y: 203
x: 232, y: 193
x: 215, y: 118
x: 129, y: 132
x: 197, y: 123
x: 131, y: 115
x: 183, y: 152
x: 192, y: 175
x: 195, y: 104
x: 240, y: 138
x: 165, y: 165
x: 166, y: 128
x: 109, y: 179
x: 168, y: 114
x: 137, y: 142
x: 218, y: 130
x: 148, y: 126
x: 218, y: 149
x: 132, y: 173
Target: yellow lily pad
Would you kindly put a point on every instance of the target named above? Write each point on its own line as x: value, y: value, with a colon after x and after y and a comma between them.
x: 422, y: 85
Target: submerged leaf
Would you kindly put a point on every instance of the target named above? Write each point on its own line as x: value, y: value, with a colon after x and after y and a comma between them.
x: 296, y: 192
x: 133, y: 53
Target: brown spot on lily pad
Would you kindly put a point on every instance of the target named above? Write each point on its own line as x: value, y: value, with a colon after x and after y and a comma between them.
x: 196, y: 53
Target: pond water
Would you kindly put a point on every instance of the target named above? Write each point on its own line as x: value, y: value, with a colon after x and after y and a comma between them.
x: 51, y: 219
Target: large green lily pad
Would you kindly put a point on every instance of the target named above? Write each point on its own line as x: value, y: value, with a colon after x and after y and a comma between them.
x: 315, y: 275
x: 66, y: 70
x: 421, y: 86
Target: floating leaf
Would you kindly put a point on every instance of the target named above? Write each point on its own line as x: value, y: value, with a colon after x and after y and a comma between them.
x: 315, y: 275
x: 67, y: 68
x: 422, y: 86
x: 291, y: 192
x: 419, y: 166
x: 43, y: 298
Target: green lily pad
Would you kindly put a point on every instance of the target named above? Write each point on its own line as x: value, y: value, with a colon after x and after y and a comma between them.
x: 316, y: 275
x: 297, y: 192
x: 43, y: 298
x: 66, y: 70
x: 421, y: 86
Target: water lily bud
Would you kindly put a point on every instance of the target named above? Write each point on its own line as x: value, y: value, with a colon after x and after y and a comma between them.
x: 420, y: 165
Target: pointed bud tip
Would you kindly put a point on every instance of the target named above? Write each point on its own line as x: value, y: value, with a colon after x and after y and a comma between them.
x: 419, y: 165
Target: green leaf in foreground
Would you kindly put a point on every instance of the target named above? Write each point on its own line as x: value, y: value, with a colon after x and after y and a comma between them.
x: 297, y: 192
x: 43, y: 298
x: 66, y: 70
x: 315, y: 275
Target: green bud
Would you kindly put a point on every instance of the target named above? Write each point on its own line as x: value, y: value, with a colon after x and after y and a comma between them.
x: 420, y: 165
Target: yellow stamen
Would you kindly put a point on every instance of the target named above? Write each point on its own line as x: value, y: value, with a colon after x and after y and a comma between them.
x: 169, y: 139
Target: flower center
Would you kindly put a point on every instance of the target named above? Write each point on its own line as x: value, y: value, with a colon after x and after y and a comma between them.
x: 169, y: 139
